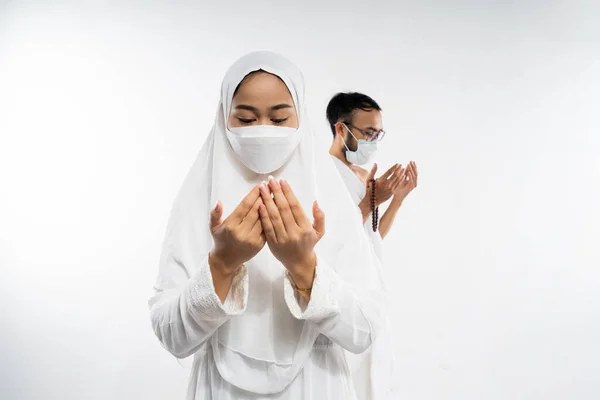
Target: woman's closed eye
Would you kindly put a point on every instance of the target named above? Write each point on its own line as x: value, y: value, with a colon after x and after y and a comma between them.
x: 252, y: 120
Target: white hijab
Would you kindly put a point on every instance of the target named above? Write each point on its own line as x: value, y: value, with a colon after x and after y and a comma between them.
x: 266, y: 337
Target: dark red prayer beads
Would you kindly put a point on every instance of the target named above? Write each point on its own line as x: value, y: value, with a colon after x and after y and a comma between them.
x: 374, y: 207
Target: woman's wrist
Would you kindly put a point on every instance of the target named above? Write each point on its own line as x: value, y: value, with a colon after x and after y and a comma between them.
x: 303, y: 272
x: 222, y: 275
x: 221, y: 267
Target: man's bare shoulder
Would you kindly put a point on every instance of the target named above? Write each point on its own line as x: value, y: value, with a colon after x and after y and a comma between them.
x: 361, y: 173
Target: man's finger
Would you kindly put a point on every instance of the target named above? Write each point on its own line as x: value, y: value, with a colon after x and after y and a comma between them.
x: 216, y: 216
x: 394, y: 183
x: 372, y: 173
x: 415, y: 172
x: 399, y: 178
x: 390, y: 171
x: 295, y: 207
x: 399, y: 174
x: 402, y: 174
x: 414, y: 164
x: 413, y: 178
x: 245, y: 205
x: 394, y: 180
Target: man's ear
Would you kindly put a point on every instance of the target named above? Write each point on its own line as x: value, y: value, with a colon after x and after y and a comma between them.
x: 339, y: 129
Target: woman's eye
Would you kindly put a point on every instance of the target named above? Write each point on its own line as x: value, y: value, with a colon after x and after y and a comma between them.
x: 245, y: 120
x: 279, y: 121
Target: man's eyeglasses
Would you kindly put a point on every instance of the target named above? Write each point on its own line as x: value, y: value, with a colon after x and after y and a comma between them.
x: 370, y: 136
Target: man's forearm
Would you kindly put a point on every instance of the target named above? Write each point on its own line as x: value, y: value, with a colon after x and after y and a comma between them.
x: 365, y: 208
x: 388, y: 217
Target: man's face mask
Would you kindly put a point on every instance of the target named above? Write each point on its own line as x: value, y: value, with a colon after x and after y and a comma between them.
x: 365, y: 152
x: 263, y: 148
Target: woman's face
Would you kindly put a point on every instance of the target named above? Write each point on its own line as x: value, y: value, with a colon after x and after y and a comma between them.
x: 262, y: 99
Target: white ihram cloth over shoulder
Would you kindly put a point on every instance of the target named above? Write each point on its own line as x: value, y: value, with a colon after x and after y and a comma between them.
x: 264, y: 342
x: 373, y: 376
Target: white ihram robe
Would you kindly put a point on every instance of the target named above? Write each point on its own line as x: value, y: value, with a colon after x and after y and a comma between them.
x: 373, y: 376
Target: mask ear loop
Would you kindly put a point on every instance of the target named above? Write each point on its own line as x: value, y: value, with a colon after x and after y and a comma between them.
x: 350, y: 132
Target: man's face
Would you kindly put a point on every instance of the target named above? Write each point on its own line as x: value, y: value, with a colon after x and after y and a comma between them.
x: 364, y: 125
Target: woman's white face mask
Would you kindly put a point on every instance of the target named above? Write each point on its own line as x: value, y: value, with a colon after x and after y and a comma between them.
x: 365, y: 152
x: 263, y: 148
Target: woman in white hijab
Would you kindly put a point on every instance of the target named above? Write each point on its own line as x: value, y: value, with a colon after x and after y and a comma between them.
x: 270, y: 304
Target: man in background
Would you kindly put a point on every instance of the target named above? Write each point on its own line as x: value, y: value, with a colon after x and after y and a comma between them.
x: 357, y: 127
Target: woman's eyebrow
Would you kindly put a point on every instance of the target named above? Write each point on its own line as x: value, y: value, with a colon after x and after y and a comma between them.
x: 252, y: 108
x: 246, y: 107
x: 280, y: 107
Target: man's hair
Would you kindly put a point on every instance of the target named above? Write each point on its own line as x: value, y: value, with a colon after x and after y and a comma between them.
x: 343, y: 105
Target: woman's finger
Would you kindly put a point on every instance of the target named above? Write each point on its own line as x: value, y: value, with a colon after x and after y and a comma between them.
x: 295, y: 207
x: 216, y: 216
x: 245, y: 206
x: 266, y: 225
x: 256, y: 233
x: 319, y: 220
x: 282, y: 204
x: 252, y: 217
x: 273, y: 212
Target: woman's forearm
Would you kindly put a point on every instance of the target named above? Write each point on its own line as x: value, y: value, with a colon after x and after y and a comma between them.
x: 186, y: 315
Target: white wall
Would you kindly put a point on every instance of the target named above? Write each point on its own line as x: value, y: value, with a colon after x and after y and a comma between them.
x: 496, y: 256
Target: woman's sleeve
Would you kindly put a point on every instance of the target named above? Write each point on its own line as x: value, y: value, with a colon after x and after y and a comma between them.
x: 185, y: 310
x: 347, y: 307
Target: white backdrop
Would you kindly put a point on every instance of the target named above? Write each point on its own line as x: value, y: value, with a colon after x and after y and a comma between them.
x: 494, y: 259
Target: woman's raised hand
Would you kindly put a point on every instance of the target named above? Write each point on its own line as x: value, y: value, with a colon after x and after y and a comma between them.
x: 239, y: 238
x: 289, y: 234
